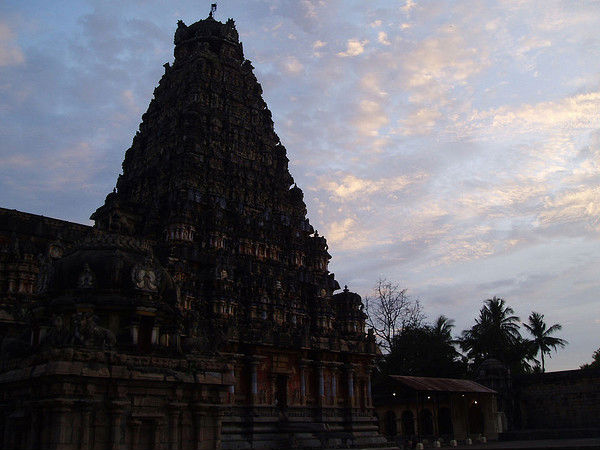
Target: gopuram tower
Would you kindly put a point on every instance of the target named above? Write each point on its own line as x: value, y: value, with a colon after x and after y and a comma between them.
x: 204, y: 282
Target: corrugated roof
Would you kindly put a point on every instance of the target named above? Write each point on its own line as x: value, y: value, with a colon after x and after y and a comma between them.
x: 441, y: 384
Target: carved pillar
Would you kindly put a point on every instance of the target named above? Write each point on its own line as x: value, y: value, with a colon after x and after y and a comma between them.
x: 217, y: 418
x: 231, y: 388
x: 136, y: 426
x: 334, y: 386
x: 155, y: 334
x: 86, y: 425
x: 369, y: 401
x: 135, y: 328
x: 174, y: 413
x: 273, y: 389
x: 302, y: 368
x: 254, y: 380
x: 199, y: 415
x: 59, y: 411
x: 117, y: 423
x: 350, y: 373
x: 321, y: 381
x: 34, y: 430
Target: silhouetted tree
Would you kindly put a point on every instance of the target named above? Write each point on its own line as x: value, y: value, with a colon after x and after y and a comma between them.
x: 425, y: 350
x: 495, y: 330
x: 542, y: 341
x: 389, y: 310
x: 496, y: 335
x: 595, y: 364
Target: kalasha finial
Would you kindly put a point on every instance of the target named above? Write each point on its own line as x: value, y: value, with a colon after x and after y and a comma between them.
x: 213, y: 9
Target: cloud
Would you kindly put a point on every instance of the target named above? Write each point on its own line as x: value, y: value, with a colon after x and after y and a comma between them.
x: 382, y: 38
x: 408, y: 6
x: 573, y: 207
x: 530, y: 43
x: 370, y: 117
x: 581, y: 111
x: 351, y: 187
x: 293, y: 66
x: 10, y: 52
x: 317, y: 46
x: 447, y: 59
x: 354, y: 48
x: 421, y: 121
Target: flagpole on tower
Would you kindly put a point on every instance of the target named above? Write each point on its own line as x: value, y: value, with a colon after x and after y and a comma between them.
x: 213, y: 9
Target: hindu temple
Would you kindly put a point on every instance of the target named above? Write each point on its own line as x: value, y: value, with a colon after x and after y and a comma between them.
x: 198, y: 312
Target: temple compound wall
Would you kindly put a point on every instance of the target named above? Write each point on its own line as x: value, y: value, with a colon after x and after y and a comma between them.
x: 567, y: 399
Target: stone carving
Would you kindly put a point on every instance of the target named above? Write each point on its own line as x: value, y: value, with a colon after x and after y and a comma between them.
x: 86, y: 278
x: 89, y: 334
x: 59, y: 334
x: 144, y: 277
x: 44, y: 275
x: 55, y: 250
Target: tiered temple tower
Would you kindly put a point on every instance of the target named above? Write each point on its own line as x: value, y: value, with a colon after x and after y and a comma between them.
x: 202, y: 261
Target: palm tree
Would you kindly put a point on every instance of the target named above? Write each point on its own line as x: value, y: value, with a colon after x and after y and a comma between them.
x: 442, y: 328
x: 542, y: 341
x: 495, y: 332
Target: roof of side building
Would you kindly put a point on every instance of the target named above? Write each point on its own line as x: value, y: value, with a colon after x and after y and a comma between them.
x: 441, y: 384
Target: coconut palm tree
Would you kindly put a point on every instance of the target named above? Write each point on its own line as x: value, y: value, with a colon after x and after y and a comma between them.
x: 495, y: 333
x: 542, y: 341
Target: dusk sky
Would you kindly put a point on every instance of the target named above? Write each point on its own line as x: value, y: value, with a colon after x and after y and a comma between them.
x: 451, y: 146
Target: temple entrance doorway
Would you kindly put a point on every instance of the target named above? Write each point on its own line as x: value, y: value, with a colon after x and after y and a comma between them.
x: 445, y: 422
x: 281, y: 399
x: 475, y: 418
x: 426, y: 423
x: 390, y: 424
x: 408, y: 423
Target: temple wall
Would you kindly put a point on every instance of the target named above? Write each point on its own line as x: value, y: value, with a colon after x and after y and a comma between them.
x: 566, y: 399
x: 93, y: 406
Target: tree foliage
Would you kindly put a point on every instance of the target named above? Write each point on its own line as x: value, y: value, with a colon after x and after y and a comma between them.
x: 595, y: 364
x: 496, y: 334
x: 390, y: 310
x: 496, y: 329
x: 425, y: 350
x: 542, y: 341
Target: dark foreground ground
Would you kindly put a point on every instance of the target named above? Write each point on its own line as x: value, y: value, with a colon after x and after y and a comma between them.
x: 563, y: 444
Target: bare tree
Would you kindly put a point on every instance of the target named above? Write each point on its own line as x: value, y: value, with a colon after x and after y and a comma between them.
x: 389, y: 309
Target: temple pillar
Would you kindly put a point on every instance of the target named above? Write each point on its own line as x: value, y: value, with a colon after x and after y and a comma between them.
x: 333, y: 386
x: 254, y: 380
x: 135, y: 328
x: 34, y: 430
x: 86, y: 425
x: 321, y: 383
x: 369, y: 401
x: 174, y: 412
x: 302, y: 368
x: 350, y: 374
x: 199, y: 415
x: 116, y: 425
x: 61, y: 425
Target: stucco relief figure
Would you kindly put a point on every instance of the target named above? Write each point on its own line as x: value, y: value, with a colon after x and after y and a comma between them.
x: 89, y: 334
x: 44, y: 274
x: 58, y: 335
x: 86, y: 279
x: 145, y: 278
